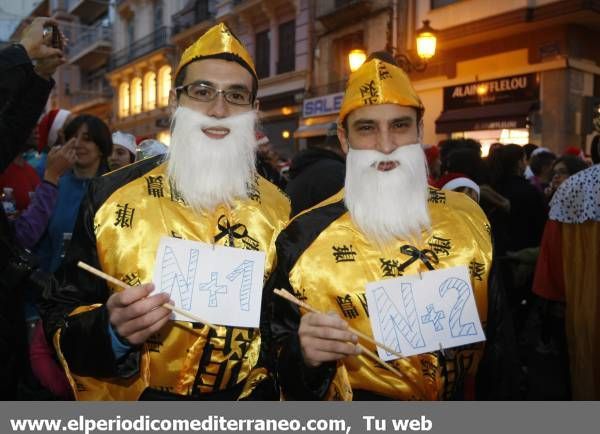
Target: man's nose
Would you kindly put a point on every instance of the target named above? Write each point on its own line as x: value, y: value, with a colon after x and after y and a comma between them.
x: 219, y: 108
x: 384, y: 142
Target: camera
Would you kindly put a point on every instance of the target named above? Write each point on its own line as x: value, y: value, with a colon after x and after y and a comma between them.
x: 52, y: 36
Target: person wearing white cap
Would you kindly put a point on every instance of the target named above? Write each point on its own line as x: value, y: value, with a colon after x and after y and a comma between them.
x: 461, y: 183
x: 124, y: 150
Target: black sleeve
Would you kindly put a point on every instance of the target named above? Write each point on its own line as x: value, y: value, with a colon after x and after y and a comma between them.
x: 23, y: 95
x: 498, y: 376
x: 296, y: 380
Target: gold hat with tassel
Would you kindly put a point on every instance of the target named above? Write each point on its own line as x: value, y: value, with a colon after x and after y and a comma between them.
x: 217, y: 40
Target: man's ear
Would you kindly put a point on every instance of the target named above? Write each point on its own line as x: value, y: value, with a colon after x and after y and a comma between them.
x: 420, y: 130
x: 173, y: 102
x: 256, y: 105
x: 343, y: 138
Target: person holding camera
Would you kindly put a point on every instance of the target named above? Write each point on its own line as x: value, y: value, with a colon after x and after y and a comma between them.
x: 24, y: 91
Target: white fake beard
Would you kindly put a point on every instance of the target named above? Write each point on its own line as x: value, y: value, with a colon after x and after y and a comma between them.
x: 207, y: 172
x: 388, y: 205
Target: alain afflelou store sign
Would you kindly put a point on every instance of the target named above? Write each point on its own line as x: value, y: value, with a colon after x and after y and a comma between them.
x: 501, y: 103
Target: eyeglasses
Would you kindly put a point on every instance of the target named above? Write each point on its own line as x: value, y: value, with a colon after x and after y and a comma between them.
x: 206, y: 93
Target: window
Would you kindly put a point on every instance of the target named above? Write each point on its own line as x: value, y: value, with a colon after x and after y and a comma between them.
x: 164, y: 85
x: 340, y: 49
x: 158, y: 14
x: 201, y: 10
x: 441, y: 3
x: 287, y: 47
x: 124, y: 100
x: 136, y: 96
x: 150, y: 91
x: 263, y: 59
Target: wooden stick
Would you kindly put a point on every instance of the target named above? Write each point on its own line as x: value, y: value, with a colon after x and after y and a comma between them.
x: 291, y: 298
x: 366, y: 351
x: 123, y: 285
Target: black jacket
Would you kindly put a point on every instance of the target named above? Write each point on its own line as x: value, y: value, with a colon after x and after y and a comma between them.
x: 528, y: 213
x: 23, y: 95
x: 315, y: 175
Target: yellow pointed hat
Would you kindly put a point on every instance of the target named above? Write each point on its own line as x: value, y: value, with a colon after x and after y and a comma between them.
x: 217, y: 40
x: 378, y: 82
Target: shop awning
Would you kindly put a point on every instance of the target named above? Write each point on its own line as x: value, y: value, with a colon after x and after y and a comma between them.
x: 490, y: 117
x: 305, y: 131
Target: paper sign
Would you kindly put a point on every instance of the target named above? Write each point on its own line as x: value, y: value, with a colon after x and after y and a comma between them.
x: 416, y: 315
x: 222, y: 285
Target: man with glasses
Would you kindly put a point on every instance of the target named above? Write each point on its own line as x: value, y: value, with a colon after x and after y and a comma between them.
x: 120, y: 344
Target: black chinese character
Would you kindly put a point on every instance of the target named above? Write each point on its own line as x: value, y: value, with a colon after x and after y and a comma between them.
x: 368, y: 93
x: 476, y: 269
x: 436, y: 196
x: 440, y: 245
x: 252, y: 189
x: 383, y: 72
x: 362, y: 297
x: 343, y: 253
x: 155, y: 186
x: 124, y: 216
x: 347, y: 307
x: 390, y: 267
x: 132, y: 279
x: 300, y: 295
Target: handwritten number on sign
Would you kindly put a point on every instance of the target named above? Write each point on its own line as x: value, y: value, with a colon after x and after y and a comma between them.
x: 457, y: 329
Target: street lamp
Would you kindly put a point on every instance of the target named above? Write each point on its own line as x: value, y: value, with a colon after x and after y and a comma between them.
x: 426, y: 45
x: 356, y: 58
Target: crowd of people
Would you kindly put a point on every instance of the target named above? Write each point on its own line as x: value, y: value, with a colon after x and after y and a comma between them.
x: 367, y: 203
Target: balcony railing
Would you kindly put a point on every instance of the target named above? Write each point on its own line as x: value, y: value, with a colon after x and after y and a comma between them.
x: 88, y: 37
x: 145, y: 45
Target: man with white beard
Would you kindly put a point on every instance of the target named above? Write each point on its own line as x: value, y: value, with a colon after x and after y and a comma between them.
x: 119, y: 344
x: 385, y: 223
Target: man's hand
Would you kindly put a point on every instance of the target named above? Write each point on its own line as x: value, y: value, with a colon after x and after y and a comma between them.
x: 33, y: 40
x: 325, y: 338
x: 60, y: 159
x: 46, y: 67
x: 135, y: 316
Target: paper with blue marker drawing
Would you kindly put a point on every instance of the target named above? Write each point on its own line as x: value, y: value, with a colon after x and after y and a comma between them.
x: 416, y: 315
x: 222, y: 285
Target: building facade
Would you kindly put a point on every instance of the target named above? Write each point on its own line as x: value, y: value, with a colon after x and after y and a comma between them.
x: 514, y: 72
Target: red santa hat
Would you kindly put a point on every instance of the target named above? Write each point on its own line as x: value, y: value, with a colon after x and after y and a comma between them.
x: 575, y: 151
x: 432, y: 153
x: 49, y: 126
x: 454, y: 180
x: 261, y: 138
